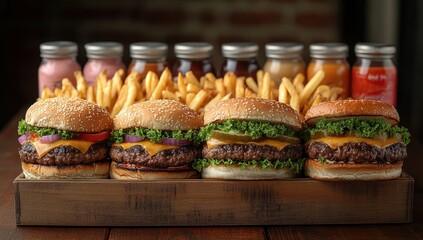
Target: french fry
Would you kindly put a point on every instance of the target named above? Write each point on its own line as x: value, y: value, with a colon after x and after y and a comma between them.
x: 168, y: 95
x: 283, y: 94
x: 181, y: 86
x: 190, y: 77
x: 47, y: 93
x: 229, y: 81
x: 81, y: 85
x: 90, y: 94
x: 317, y: 100
x: 107, y: 96
x: 192, y: 88
x: 198, y: 100
x: 249, y: 93
x: 132, y: 91
x: 252, y: 84
x: 116, y: 84
x: 209, y: 85
x: 306, y: 107
x: 214, y: 100
x: 239, y: 87
x: 210, y: 76
x: 164, y: 78
x: 220, y: 86
x: 120, y: 101
x: 227, y: 96
x: 334, y: 93
x: 295, y: 102
x: 311, y: 86
x: 265, y: 91
x: 190, y: 97
x: 289, y: 86
x: 299, y: 82
x: 323, y: 90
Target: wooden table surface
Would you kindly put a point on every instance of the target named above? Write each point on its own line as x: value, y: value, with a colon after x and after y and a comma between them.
x: 10, y: 169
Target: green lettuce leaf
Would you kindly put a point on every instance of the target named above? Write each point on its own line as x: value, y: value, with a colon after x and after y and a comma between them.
x: 366, y: 128
x: 155, y: 135
x: 296, y: 166
x: 24, y: 128
x: 254, y: 129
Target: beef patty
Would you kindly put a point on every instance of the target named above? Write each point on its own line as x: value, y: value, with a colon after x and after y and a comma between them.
x: 357, y: 152
x: 63, y: 155
x: 168, y: 158
x: 249, y: 152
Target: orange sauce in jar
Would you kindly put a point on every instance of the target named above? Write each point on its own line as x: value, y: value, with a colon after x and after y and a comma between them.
x: 331, y: 58
x: 193, y: 56
x: 148, y: 56
x: 240, y: 58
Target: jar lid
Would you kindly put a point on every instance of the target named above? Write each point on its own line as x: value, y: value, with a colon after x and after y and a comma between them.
x: 193, y: 50
x: 328, y: 50
x: 104, y: 49
x: 148, y: 50
x: 380, y: 50
x: 283, y: 49
x: 240, y: 50
x: 58, y: 49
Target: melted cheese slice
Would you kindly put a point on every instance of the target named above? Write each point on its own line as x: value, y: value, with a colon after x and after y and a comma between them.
x: 151, y: 148
x: 335, y: 142
x: 44, y: 148
x: 213, y: 142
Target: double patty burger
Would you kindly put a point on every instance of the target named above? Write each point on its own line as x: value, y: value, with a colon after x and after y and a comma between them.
x: 64, y: 138
x: 155, y: 140
x: 355, y: 140
x: 250, y: 138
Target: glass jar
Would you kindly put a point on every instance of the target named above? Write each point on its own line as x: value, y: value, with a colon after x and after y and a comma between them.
x: 148, y: 56
x: 284, y: 60
x: 331, y: 58
x: 374, y: 75
x: 102, y: 56
x: 193, y: 56
x: 58, y: 62
x: 240, y: 58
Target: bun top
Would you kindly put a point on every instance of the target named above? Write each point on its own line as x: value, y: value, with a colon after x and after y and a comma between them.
x: 257, y: 109
x: 70, y: 114
x: 158, y: 114
x: 348, y: 108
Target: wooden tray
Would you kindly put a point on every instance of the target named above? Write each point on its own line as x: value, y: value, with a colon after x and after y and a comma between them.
x: 211, y: 202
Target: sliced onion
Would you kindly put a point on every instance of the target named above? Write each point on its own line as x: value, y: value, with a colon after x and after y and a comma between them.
x: 132, y: 138
x: 50, y: 138
x: 174, y: 142
x: 23, y: 138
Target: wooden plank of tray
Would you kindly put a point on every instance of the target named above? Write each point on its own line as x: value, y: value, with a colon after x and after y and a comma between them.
x: 202, y: 202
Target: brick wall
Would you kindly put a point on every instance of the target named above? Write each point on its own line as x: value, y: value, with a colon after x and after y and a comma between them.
x: 30, y: 23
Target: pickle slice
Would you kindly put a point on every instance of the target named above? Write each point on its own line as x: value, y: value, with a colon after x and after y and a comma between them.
x: 235, y: 137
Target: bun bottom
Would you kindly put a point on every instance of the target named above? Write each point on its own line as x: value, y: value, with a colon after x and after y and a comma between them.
x: 351, y: 172
x: 129, y: 174
x: 247, y: 173
x: 93, y: 170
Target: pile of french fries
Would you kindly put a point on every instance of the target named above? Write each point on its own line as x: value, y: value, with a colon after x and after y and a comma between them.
x: 120, y: 92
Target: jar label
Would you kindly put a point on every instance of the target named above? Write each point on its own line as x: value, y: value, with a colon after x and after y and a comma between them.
x: 375, y: 83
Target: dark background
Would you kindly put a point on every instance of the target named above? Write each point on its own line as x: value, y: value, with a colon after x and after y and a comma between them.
x: 26, y: 24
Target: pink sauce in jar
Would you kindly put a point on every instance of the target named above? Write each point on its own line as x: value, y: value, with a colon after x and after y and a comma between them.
x: 102, y: 56
x: 59, y: 62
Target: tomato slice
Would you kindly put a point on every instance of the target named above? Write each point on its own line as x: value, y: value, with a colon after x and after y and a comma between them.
x: 94, y: 137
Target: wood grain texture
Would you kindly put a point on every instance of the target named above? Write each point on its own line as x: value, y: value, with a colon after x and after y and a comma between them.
x: 211, y: 202
x: 212, y: 233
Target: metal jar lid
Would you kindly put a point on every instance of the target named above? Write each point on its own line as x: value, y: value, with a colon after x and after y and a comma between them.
x: 104, y: 50
x: 240, y: 50
x: 58, y: 49
x: 283, y: 50
x: 328, y: 50
x: 148, y: 50
x: 193, y: 50
x: 371, y: 50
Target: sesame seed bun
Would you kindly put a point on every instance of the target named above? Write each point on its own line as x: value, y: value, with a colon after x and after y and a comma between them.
x: 81, y: 171
x: 158, y: 114
x: 70, y: 114
x: 350, y: 172
x: 256, y: 109
x: 349, y: 108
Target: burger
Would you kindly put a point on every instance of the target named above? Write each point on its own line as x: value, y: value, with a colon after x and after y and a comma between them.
x: 64, y: 138
x: 250, y: 138
x: 354, y: 140
x: 155, y: 139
